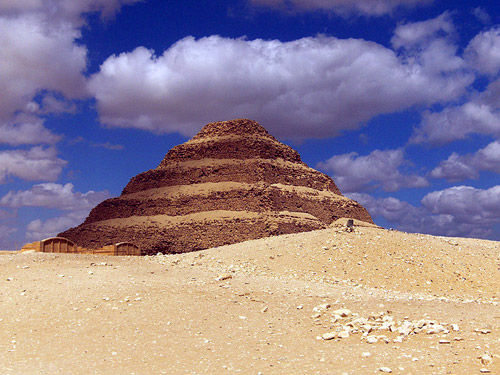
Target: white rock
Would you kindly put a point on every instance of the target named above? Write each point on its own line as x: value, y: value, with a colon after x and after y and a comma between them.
x: 223, y: 276
x: 371, y: 339
x: 322, y: 307
x: 483, y: 331
x: 486, y: 359
x: 343, y: 334
x: 385, y: 369
x: 435, y: 328
x: 343, y: 313
x: 367, y: 328
x: 366, y: 354
x: 329, y: 335
x: 484, y: 371
x: 386, y: 326
x: 404, y: 330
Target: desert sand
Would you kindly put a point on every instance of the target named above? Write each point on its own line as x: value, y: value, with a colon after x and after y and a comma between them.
x: 323, y: 302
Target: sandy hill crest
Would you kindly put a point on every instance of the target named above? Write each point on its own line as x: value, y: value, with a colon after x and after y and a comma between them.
x: 232, y: 182
x: 367, y: 301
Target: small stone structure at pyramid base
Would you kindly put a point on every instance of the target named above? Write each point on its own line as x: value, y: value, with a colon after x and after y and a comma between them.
x: 232, y: 182
x: 66, y: 246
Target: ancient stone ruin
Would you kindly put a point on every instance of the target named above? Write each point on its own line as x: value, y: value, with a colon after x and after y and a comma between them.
x: 232, y: 182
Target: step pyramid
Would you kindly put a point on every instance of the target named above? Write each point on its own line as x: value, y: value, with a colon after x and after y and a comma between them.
x: 230, y: 183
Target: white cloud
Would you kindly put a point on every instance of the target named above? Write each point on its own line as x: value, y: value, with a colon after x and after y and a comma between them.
x: 415, y: 34
x: 459, y: 211
x: 466, y: 204
x: 431, y: 44
x: 483, y: 51
x: 354, y: 173
x: 51, y: 195
x: 461, y: 167
x: 39, y: 55
x: 391, y: 209
x: 311, y: 87
x: 26, y: 129
x: 39, y: 229
x: 52, y: 104
x: 63, y: 10
x: 366, y: 7
x: 481, y: 114
x: 108, y: 146
x: 455, y: 168
x: 38, y: 163
x: 35, y: 57
x: 481, y: 15
x: 54, y: 196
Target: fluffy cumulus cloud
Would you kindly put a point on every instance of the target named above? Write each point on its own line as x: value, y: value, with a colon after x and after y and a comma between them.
x: 417, y: 33
x: 39, y: 55
x: 26, y: 129
x: 461, y: 167
x: 366, y: 7
x: 458, y: 122
x: 39, y: 229
x: 35, y: 56
x: 354, y: 173
x: 480, y: 113
x: 51, y: 195
x: 69, y: 11
x: 327, y: 83
x: 37, y: 163
x: 467, y: 205
x: 55, y: 196
x: 458, y: 211
x: 400, y: 213
x: 484, y: 51
x: 431, y: 44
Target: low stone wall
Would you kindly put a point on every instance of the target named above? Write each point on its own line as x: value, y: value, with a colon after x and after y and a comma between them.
x: 63, y: 245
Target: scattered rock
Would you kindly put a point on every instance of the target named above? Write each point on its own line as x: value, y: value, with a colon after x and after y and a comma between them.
x: 343, y: 334
x: 486, y: 359
x: 322, y: 307
x: 382, y: 322
x: 329, y: 335
x: 224, y: 276
x: 343, y: 313
x: 371, y: 339
x: 483, y: 331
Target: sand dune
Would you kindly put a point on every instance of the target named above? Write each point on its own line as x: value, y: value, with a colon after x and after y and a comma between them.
x: 268, y: 306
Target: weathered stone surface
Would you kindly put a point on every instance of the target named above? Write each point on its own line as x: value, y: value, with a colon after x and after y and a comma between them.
x: 232, y: 182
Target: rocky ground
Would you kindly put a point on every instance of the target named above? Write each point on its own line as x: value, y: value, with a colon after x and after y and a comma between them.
x: 325, y: 302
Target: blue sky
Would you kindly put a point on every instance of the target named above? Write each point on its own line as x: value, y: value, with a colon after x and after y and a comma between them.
x: 397, y: 100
